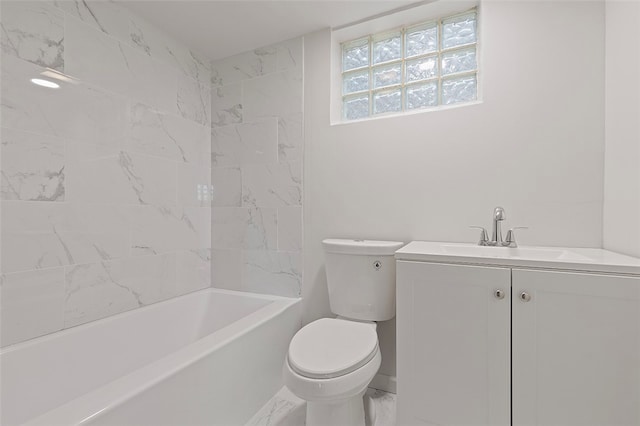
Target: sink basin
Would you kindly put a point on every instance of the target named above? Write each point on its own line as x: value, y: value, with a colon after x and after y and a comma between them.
x: 530, y: 253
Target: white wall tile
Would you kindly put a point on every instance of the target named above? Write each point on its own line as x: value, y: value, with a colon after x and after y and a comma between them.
x: 226, y: 105
x: 290, y: 137
x: 166, y: 229
x: 290, y: 228
x: 227, y: 186
x: 266, y: 144
x: 228, y: 227
x: 261, y: 230
x: 199, y: 219
x: 29, y: 237
x: 77, y: 110
x: 104, y: 16
x: 32, y: 166
x: 272, y: 185
x: 124, y: 150
x: 31, y: 304
x: 98, y: 290
x: 273, y: 272
x: 226, y: 268
x: 244, y: 66
x: 157, y: 44
x: 246, y: 143
x: 194, y: 100
x: 40, y: 235
x: 247, y: 228
x: 33, y: 31
x: 93, y: 56
x: 274, y: 95
x: 258, y: 141
x: 194, y: 186
x: 94, y: 232
x: 193, y: 270
x: 167, y: 135
x: 225, y: 146
x: 126, y: 178
x: 289, y: 55
x: 151, y: 278
x: 93, y: 291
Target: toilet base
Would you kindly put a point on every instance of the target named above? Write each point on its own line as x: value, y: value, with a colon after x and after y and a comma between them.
x: 348, y: 411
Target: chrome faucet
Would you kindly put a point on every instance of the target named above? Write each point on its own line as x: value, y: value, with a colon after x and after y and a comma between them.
x: 496, y: 233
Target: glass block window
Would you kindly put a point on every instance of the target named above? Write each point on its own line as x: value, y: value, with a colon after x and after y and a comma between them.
x: 421, y: 66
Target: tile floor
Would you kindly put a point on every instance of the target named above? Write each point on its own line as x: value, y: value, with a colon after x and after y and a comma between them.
x: 285, y: 409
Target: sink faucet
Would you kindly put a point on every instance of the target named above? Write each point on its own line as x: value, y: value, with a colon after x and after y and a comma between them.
x: 496, y: 233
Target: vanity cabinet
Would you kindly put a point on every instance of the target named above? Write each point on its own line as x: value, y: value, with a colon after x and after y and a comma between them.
x: 492, y: 345
x: 453, y: 344
x: 576, y: 348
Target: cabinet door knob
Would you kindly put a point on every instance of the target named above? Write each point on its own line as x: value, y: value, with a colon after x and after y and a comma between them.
x: 499, y: 294
x: 525, y: 297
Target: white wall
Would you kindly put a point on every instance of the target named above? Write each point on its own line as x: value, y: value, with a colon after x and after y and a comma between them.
x: 534, y: 146
x: 622, y: 123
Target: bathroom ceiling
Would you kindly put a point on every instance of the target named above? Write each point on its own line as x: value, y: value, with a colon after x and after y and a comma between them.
x: 220, y: 29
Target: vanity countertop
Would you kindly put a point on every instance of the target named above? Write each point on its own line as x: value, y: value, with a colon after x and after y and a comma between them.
x: 561, y: 258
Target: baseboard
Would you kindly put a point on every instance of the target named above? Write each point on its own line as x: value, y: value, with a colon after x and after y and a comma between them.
x: 384, y: 383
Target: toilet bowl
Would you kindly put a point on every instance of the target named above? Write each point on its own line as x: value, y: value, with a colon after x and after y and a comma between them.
x: 331, y: 361
x: 330, y: 364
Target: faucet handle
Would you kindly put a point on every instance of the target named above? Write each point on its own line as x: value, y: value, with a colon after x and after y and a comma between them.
x: 510, y: 240
x: 484, y: 235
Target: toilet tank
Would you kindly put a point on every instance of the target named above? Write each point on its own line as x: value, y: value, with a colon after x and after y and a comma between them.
x: 361, y: 278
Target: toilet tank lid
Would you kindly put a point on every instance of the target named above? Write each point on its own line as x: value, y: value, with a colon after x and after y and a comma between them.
x: 362, y: 247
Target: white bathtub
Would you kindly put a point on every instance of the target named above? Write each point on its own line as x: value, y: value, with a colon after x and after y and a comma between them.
x: 211, y: 357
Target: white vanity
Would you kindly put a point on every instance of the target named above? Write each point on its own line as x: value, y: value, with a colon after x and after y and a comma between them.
x: 522, y: 336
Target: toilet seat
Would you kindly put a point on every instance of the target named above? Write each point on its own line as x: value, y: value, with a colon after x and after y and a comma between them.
x: 329, y: 348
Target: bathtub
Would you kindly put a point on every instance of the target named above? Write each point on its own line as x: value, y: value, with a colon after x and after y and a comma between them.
x: 211, y: 357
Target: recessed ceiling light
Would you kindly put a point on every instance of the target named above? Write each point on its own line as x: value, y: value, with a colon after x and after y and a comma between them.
x: 45, y: 83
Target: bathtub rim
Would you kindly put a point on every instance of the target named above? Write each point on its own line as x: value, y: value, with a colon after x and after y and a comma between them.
x: 153, y: 306
x: 84, y: 408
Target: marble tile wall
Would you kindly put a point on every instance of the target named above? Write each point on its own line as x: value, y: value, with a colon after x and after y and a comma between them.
x: 106, y: 181
x: 257, y: 144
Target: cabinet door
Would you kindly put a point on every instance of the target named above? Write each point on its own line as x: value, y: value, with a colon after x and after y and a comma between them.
x: 453, y: 344
x: 576, y: 349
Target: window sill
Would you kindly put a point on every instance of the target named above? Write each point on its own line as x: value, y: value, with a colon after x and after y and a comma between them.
x: 406, y: 113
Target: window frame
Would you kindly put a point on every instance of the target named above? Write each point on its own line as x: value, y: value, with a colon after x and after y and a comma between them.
x: 403, y: 85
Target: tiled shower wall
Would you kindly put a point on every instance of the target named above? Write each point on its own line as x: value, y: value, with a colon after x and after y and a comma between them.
x: 257, y: 146
x: 106, y: 180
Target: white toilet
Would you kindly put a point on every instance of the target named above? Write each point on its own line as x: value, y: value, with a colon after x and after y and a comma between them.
x: 331, y: 361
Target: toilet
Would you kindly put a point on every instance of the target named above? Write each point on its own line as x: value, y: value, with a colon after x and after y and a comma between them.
x: 331, y: 361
